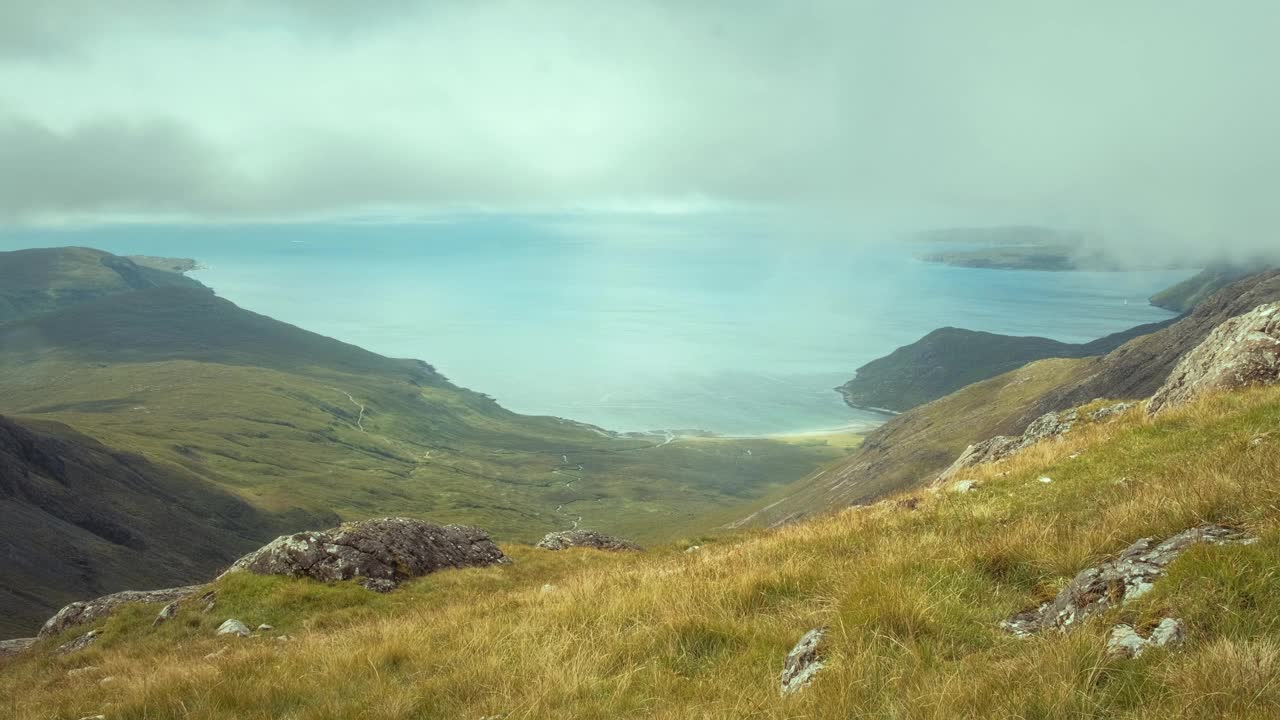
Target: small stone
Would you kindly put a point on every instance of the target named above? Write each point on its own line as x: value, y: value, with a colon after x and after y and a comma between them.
x: 284, y: 638
x: 94, y: 717
x: 167, y: 613
x: 87, y: 670
x: 233, y: 627
x: 548, y: 588
x: 693, y: 548
x: 965, y: 486
x: 1045, y: 479
x: 108, y: 682
x: 264, y: 628
x: 803, y: 662
x: 215, y: 655
x: 1169, y: 633
x: 1125, y: 642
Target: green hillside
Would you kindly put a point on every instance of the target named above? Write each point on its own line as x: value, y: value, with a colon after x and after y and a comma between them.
x: 912, y: 595
x: 293, y: 422
x: 949, y: 359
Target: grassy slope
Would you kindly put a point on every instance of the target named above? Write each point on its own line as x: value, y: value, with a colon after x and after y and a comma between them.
x: 81, y: 519
x: 912, y: 599
x: 911, y: 449
x: 262, y: 408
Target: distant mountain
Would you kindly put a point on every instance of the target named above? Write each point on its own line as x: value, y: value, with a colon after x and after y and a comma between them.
x: 912, y: 448
x: 81, y: 519
x: 299, y: 425
x: 950, y: 358
x: 1024, y: 247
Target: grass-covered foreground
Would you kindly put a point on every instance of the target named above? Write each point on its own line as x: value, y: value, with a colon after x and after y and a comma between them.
x: 912, y: 597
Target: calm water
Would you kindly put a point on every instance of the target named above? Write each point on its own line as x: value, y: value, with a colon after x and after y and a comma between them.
x: 630, y: 324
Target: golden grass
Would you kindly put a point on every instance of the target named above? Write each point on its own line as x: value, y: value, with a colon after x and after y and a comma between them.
x: 912, y: 599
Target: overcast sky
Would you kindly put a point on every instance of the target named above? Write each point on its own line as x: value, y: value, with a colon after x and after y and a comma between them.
x: 1152, y: 120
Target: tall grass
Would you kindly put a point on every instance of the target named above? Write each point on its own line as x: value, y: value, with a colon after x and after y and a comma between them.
x: 912, y: 600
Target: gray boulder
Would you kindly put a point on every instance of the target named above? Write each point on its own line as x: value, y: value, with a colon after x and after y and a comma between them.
x: 81, y: 613
x: 231, y: 626
x: 1115, y: 582
x: 1241, y: 352
x: 803, y: 662
x: 585, y: 538
x: 391, y: 549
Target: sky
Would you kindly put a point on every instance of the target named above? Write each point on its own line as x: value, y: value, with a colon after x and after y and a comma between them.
x: 1150, y: 125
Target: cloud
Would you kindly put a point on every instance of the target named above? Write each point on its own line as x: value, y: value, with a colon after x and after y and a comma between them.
x: 1145, y: 121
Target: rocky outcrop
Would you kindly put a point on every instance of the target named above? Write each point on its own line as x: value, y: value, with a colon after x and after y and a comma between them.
x: 79, y: 643
x: 584, y: 538
x: 391, y: 549
x: 1125, y: 641
x: 81, y: 613
x: 1115, y: 582
x: 15, y: 646
x: 1241, y: 352
x: 803, y: 662
x: 1047, y: 427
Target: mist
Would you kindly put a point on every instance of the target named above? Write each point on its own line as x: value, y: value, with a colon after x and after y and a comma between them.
x: 1147, y: 126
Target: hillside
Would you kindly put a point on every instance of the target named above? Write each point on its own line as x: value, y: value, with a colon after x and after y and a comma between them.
x: 949, y: 359
x: 1137, y: 368
x: 912, y: 596
x: 81, y: 519
x: 40, y: 280
x: 915, y: 446
x: 1184, y: 296
x: 294, y: 423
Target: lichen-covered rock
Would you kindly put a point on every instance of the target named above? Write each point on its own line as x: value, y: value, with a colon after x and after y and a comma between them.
x: 1127, y: 643
x: 231, y: 626
x: 1241, y: 352
x: 1106, y: 413
x: 803, y: 662
x: 387, y: 549
x: 15, y: 646
x: 379, y: 585
x: 987, y: 451
x: 79, y: 643
x: 167, y: 613
x: 1049, y: 426
x: 584, y: 538
x: 81, y: 613
x: 1117, y: 581
x: 1046, y: 427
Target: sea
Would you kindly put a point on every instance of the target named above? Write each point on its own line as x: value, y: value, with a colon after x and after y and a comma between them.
x: 730, y: 324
